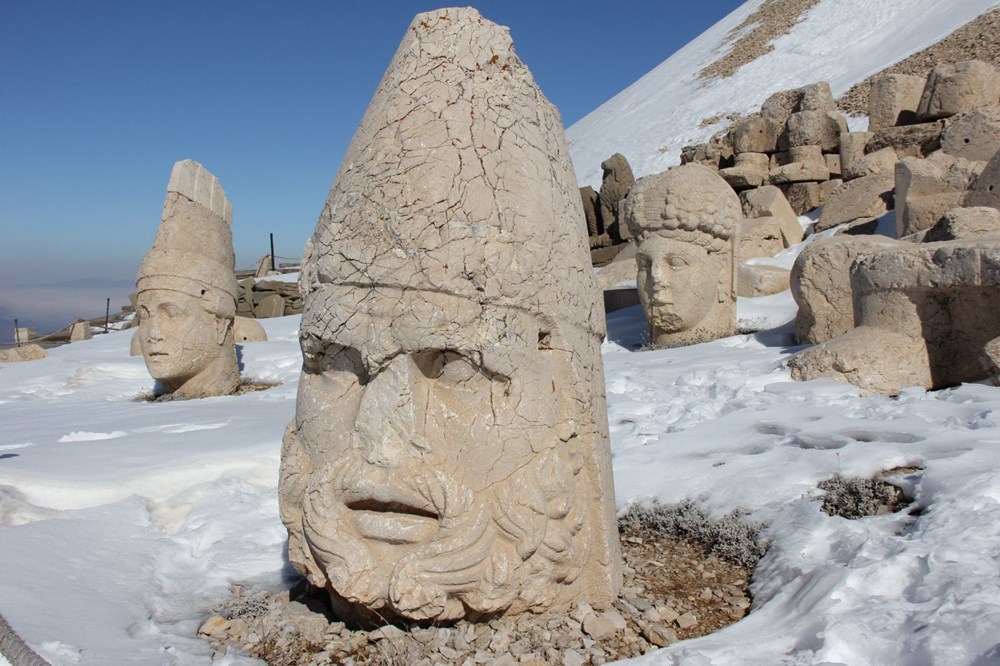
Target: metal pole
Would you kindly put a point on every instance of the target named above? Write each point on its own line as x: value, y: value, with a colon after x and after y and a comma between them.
x: 17, y: 334
x: 107, y: 315
x: 274, y: 266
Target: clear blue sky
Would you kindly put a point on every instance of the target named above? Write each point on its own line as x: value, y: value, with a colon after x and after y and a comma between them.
x: 101, y: 97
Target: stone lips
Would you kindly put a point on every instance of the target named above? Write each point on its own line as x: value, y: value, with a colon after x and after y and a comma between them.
x: 452, y: 228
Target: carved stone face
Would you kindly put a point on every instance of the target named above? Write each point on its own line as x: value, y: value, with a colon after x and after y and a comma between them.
x: 435, y: 476
x: 180, y: 338
x: 678, y: 283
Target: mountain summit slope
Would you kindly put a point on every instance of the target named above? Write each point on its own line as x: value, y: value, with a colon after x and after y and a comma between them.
x: 839, y: 41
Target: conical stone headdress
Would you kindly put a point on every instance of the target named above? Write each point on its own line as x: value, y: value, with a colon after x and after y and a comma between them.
x: 193, y: 249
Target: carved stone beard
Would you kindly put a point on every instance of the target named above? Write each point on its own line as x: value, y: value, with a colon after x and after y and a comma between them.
x: 497, y: 550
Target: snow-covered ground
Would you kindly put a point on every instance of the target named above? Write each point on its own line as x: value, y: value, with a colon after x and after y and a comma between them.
x: 122, y: 522
x: 839, y: 41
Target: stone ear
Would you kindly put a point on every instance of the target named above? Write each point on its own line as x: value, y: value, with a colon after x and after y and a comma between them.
x: 222, y: 327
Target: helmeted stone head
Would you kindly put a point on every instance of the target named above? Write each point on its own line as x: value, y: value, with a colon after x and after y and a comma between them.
x: 685, y: 221
x: 449, y: 455
x: 187, y: 289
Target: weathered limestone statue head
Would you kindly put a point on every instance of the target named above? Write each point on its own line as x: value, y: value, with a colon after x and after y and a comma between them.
x: 187, y: 290
x: 685, y: 221
x: 449, y: 453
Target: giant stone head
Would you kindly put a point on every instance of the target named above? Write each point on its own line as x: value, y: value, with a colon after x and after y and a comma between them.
x: 449, y: 454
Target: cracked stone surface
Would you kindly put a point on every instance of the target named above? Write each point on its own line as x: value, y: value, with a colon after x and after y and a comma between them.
x: 685, y: 221
x: 449, y: 455
x: 187, y: 290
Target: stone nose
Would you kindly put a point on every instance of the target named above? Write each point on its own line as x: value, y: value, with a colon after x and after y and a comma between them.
x: 388, y: 423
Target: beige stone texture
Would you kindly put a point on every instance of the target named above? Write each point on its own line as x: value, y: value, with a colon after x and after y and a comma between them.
x: 881, y: 161
x: 779, y: 159
x: 246, y: 329
x: 449, y: 453
x: 816, y: 97
x: 959, y: 88
x: 187, y: 290
x: 756, y: 134
x: 756, y: 280
x: 803, y: 197
x: 778, y: 106
x: 80, y: 330
x: 750, y: 170
x: 985, y: 190
x: 816, y: 128
x: 267, y: 305
x: 826, y: 189
x: 926, y: 315
x: 135, y: 344
x: 590, y: 211
x: 868, y: 196
x: 852, y: 149
x: 615, y: 185
x: 806, y: 155
x: 29, y: 352
x: 974, y: 135
x: 620, y: 269
x: 759, y: 237
x: 927, y: 189
x: 959, y: 223
x: 24, y: 333
x: 807, y: 164
x: 686, y: 223
x: 769, y: 201
x: 833, y: 165
x: 893, y: 100
x: 821, y: 286
x: 910, y: 140
x: 714, y: 154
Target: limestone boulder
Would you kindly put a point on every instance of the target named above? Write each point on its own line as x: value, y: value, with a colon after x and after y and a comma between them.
x: 833, y: 165
x: 25, y: 352
x: 80, y: 330
x: 974, y: 135
x: 619, y: 270
x: 959, y: 88
x: 893, y: 100
x: 246, y: 329
x: 816, y: 128
x: 451, y: 414
x: 909, y: 141
x: 755, y: 280
x: 868, y: 196
x: 769, y: 201
x: 807, y: 164
x: 803, y: 197
x: 756, y: 134
x: 926, y: 189
x: 750, y: 170
x: 717, y: 153
x: 821, y: 285
x: 985, y: 190
x: 816, y: 97
x: 267, y: 305
x: 778, y: 106
x: 881, y: 161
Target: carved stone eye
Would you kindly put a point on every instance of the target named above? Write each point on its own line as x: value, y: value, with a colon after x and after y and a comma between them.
x: 677, y: 261
x: 457, y: 368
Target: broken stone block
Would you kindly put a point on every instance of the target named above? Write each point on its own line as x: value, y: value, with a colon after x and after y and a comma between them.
x: 816, y: 97
x: 893, y: 100
x: 756, y: 134
x: 685, y: 221
x: 881, y: 161
x: 985, y: 190
x: 761, y: 280
x: 833, y: 164
x: 959, y: 88
x: 620, y: 269
x: 821, y: 286
x: 958, y: 223
x: 779, y: 159
x: 803, y: 197
x: 826, y: 189
x: 80, y: 330
x: 716, y: 154
x: 868, y: 196
x: 29, y: 352
x: 778, y: 106
x: 806, y: 154
x: 974, y: 135
x: 800, y: 172
x: 925, y: 313
x: 430, y: 455
x: 927, y: 189
x: 816, y: 128
x: 750, y: 170
x: 909, y: 141
x: 769, y: 201
x: 759, y: 237
x: 267, y: 305
x: 852, y: 148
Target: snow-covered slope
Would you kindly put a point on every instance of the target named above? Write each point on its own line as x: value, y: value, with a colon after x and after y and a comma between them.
x: 839, y: 41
